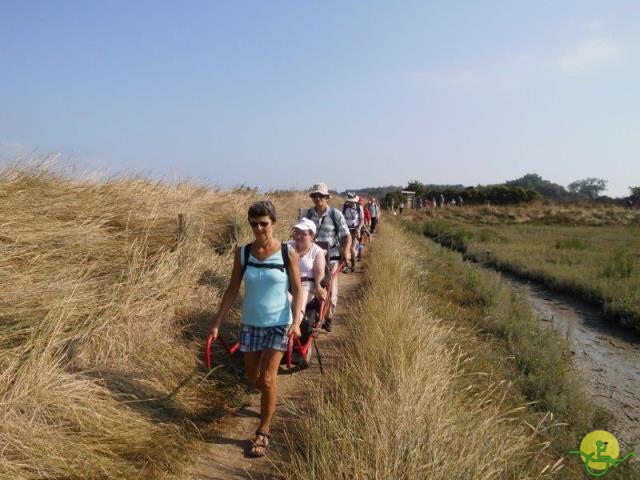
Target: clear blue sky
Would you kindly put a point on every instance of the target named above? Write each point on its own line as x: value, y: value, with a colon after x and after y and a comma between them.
x: 363, y: 93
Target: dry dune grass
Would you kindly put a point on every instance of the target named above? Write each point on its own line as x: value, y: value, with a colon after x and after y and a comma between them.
x: 407, y: 402
x: 104, y: 300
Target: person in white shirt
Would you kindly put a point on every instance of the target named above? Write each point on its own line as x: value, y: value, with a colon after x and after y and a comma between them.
x: 311, y: 263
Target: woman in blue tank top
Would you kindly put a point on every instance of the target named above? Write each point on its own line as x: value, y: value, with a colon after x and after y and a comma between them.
x: 268, y: 316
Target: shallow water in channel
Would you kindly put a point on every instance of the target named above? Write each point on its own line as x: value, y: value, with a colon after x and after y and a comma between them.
x: 605, y: 356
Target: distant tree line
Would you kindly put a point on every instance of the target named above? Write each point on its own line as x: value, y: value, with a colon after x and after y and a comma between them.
x: 528, y: 188
x: 579, y: 191
x: 634, y: 198
x: 547, y: 189
x: 377, y: 192
x: 494, y: 194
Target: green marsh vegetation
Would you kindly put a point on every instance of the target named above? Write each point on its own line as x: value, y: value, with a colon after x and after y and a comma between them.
x: 514, y: 346
x: 593, y: 253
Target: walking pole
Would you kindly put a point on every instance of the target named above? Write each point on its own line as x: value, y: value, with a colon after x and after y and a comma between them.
x: 315, y: 344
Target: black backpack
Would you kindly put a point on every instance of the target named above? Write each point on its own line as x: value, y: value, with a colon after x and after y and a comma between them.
x: 283, y: 267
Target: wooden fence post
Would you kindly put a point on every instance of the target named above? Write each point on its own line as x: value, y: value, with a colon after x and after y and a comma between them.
x: 181, y: 227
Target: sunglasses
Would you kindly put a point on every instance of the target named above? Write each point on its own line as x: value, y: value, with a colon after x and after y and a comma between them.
x: 262, y: 224
x: 301, y: 232
x: 318, y: 195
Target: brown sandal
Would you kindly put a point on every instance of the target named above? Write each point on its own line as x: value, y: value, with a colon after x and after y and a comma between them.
x: 259, y: 444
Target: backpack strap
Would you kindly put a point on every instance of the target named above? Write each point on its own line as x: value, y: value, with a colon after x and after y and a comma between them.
x: 246, y: 251
x: 332, y: 214
x: 284, y: 251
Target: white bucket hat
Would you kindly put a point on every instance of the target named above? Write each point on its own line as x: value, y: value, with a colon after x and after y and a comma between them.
x: 306, y: 224
x: 320, y: 188
x: 352, y: 197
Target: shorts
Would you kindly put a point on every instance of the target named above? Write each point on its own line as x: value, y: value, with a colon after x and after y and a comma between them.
x: 256, y: 339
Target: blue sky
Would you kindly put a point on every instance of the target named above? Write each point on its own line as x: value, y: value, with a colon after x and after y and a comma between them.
x: 283, y: 94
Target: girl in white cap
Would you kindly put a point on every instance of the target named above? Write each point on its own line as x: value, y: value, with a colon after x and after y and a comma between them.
x: 311, y: 261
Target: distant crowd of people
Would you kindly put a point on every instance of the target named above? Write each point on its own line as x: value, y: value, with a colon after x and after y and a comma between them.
x: 432, y: 202
x: 282, y: 278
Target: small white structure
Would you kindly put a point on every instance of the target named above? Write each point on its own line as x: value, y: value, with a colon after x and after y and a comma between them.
x: 409, y: 198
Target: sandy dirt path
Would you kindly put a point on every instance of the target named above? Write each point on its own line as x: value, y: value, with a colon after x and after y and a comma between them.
x: 224, y: 454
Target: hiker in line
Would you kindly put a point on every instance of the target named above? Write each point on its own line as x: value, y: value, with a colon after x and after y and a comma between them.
x: 311, y: 263
x: 441, y: 201
x: 401, y: 207
x: 367, y: 213
x: 374, y: 210
x: 332, y: 233
x: 366, y: 228
x: 269, y: 268
x: 354, y: 216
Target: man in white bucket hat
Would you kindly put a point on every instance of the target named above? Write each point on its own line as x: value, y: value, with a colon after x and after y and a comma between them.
x: 332, y: 233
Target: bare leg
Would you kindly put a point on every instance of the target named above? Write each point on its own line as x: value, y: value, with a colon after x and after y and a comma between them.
x: 267, y: 383
x: 252, y: 367
x: 334, y: 291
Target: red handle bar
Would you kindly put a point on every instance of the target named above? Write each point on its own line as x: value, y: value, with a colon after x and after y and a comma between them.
x: 208, y: 351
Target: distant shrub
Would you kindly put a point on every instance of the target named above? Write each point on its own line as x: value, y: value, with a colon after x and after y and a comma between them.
x: 571, y: 244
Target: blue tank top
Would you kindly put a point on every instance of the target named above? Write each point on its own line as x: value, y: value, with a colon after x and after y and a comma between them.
x: 266, y: 299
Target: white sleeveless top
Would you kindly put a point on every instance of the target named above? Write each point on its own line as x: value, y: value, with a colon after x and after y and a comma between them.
x: 305, y: 264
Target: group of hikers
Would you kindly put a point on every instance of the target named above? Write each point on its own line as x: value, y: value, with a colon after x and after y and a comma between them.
x: 282, y: 278
x: 439, y: 202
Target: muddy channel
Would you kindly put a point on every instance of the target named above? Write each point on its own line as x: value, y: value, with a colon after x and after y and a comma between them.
x: 605, y: 356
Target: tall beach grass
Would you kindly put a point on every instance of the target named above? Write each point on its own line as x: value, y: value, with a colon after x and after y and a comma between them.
x: 107, y: 289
